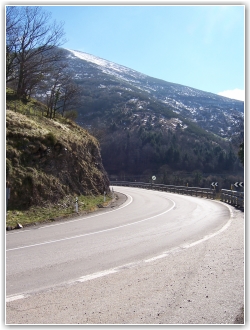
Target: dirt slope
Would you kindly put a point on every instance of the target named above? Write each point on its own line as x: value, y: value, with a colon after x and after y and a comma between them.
x: 49, y: 159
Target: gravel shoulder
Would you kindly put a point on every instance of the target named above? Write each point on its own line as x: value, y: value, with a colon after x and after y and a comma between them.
x: 203, y: 284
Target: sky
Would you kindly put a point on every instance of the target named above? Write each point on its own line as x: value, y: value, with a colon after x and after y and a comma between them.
x: 200, y: 46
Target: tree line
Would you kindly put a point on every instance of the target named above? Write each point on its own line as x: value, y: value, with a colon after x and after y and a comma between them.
x: 139, y: 151
x: 34, y: 60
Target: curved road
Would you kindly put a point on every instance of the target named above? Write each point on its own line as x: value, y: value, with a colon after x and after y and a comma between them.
x: 146, y: 227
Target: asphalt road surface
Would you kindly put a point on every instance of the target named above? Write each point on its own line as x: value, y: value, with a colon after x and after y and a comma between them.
x: 83, y: 270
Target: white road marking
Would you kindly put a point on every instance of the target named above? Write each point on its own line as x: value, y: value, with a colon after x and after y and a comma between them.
x: 133, y: 264
x: 96, y: 275
x: 75, y: 220
x: 16, y: 297
x: 130, y: 265
x: 163, y: 255
x: 93, y: 233
x: 186, y: 246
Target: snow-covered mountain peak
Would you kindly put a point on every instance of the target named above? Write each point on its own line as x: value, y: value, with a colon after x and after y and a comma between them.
x: 210, y: 111
x: 107, y: 66
x: 96, y: 60
x: 101, y: 62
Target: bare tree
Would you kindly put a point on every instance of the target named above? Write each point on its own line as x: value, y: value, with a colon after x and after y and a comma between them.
x: 53, y: 89
x: 30, y: 39
x: 70, y: 96
x: 13, y: 18
x: 62, y: 94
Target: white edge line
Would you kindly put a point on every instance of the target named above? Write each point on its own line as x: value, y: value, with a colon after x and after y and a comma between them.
x: 16, y: 297
x: 96, y: 275
x: 186, y: 246
x: 164, y: 254
x: 127, y: 203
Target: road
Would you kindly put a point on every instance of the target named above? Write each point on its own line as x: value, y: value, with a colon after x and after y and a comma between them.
x: 145, y: 230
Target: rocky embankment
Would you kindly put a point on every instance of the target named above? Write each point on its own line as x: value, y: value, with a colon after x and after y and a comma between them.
x: 47, y: 160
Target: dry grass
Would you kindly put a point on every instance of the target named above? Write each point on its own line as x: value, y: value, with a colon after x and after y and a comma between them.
x: 65, y: 208
x: 48, y: 159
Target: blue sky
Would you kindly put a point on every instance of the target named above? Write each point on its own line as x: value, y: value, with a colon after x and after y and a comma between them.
x: 200, y: 46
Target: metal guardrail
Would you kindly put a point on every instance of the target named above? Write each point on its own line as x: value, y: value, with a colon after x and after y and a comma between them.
x: 233, y: 197
x: 192, y: 191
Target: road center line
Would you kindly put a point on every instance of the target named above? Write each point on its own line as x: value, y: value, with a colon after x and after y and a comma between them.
x: 93, y: 233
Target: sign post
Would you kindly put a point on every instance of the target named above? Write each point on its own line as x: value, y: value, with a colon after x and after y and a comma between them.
x: 76, y: 204
x: 153, y: 178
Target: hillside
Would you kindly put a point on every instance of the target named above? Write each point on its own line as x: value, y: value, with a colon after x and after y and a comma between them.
x: 47, y: 160
x: 113, y: 85
x: 148, y: 126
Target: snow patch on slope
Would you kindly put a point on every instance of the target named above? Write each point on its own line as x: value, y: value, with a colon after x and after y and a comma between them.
x: 107, y: 66
x: 96, y: 60
x: 101, y: 62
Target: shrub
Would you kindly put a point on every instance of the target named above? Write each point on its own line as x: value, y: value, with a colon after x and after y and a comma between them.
x: 51, y: 138
x: 72, y: 114
x: 8, y: 168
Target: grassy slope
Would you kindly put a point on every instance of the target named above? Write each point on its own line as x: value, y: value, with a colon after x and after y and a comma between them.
x: 49, y: 163
x: 64, y: 209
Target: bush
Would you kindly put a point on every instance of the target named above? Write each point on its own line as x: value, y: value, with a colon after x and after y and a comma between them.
x: 72, y: 114
x: 50, y: 137
x: 8, y: 168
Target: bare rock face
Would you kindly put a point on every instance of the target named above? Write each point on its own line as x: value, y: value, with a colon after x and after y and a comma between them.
x: 49, y: 159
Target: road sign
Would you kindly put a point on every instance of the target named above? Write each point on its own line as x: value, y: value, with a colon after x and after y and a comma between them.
x: 153, y: 177
x: 214, y: 184
x: 239, y: 184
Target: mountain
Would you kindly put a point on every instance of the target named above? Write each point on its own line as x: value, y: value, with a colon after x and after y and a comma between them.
x: 149, y: 126
x: 212, y: 112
